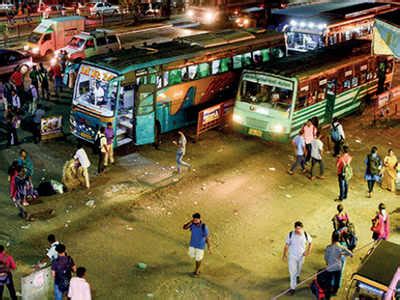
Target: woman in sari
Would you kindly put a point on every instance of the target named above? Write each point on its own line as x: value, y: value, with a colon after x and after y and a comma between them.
x: 389, y: 171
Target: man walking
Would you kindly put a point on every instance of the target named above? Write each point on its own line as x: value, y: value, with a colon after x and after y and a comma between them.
x: 343, y: 161
x: 333, y: 258
x: 198, y: 240
x: 7, y: 265
x: 337, y: 136
x: 79, y: 288
x: 310, y: 132
x: 299, y: 145
x: 298, y: 245
x: 83, y: 160
x: 44, y: 82
x: 62, y: 269
x: 109, y: 133
x: 103, y: 150
x: 316, y: 156
x: 181, y: 152
x: 55, y: 72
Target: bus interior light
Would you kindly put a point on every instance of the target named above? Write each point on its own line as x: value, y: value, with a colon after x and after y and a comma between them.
x: 293, y: 23
x: 311, y: 25
x: 302, y: 24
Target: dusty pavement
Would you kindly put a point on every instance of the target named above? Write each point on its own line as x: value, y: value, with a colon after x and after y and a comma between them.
x: 238, y: 184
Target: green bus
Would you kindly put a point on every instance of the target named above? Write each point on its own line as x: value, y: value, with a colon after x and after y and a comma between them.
x: 275, y: 99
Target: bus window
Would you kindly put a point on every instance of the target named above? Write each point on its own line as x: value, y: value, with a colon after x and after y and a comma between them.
x: 165, y: 79
x: 247, y: 59
x: 141, y: 80
x: 265, y: 55
x: 204, y: 70
x: 159, y: 81
x: 363, y: 77
x: 152, y: 76
x: 237, y: 61
x: 125, y: 104
x: 301, y: 102
x: 354, y: 82
x: 184, y: 74
x: 193, y: 72
x: 257, y: 57
x: 225, y: 65
x: 215, y: 66
x: 266, y: 96
x: 346, y: 84
x: 174, y: 77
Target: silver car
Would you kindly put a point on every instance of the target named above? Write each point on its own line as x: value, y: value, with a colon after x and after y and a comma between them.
x: 10, y: 59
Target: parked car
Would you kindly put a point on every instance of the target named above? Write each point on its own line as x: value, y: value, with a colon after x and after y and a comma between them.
x: 10, y: 59
x: 86, y: 44
x: 103, y: 8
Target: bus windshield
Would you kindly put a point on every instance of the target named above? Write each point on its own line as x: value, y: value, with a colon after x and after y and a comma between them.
x: 34, y: 37
x: 265, y: 95
x: 94, y: 89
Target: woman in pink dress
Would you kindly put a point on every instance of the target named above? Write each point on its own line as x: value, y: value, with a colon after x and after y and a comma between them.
x: 380, y: 224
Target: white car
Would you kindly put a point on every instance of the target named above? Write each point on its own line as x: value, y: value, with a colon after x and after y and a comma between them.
x: 103, y: 8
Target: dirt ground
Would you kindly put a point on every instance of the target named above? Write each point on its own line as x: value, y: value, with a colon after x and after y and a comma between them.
x: 239, y: 185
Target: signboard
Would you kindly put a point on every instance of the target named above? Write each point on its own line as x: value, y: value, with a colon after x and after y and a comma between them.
x: 37, y: 285
x: 213, y: 116
x: 51, y: 127
x: 96, y: 73
x: 387, y: 105
x: 269, y: 80
x: 383, y: 99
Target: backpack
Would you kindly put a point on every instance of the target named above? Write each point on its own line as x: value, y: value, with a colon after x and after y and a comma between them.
x: 351, y: 240
x: 374, y: 164
x: 347, y: 172
x: 4, y: 271
x: 335, y: 135
x: 305, y: 235
x: 320, y: 285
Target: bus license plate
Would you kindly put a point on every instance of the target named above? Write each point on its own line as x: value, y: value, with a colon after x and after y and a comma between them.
x: 85, y: 135
x: 255, y: 132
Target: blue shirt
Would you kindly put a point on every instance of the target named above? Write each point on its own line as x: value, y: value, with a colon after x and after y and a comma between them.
x: 300, y: 144
x: 199, y: 235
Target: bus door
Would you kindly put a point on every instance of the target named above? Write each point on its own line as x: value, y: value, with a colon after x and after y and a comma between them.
x: 330, y: 100
x: 145, y: 115
x: 381, y: 75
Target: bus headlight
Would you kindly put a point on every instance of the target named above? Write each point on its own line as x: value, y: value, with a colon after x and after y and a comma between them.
x: 35, y: 50
x: 237, y: 119
x: 209, y: 17
x: 190, y: 13
x: 278, y: 128
x: 26, y: 47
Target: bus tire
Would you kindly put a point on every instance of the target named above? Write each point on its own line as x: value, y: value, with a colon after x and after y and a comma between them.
x: 157, y: 135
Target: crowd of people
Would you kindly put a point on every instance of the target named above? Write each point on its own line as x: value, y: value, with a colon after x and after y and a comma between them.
x: 62, y: 267
x: 22, y: 94
x: 309, y: 150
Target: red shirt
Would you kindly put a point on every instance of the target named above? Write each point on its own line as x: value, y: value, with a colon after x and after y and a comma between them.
x: 9, y: 260
x: 17, y: 78
x: 343, y: 160
x: 56, y: 71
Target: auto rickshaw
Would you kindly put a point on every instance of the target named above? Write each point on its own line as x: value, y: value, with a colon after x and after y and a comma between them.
x: 378, y: 278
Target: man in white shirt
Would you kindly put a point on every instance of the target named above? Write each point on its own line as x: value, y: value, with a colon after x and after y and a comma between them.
x: 98, y: 94
x: 317, y: 148
x: 297, y: 246
x: 51, y: 254
x: 81, y: 157
x: 79, y: 288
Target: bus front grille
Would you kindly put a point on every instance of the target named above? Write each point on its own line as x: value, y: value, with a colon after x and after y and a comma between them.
x: 255, y: 123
